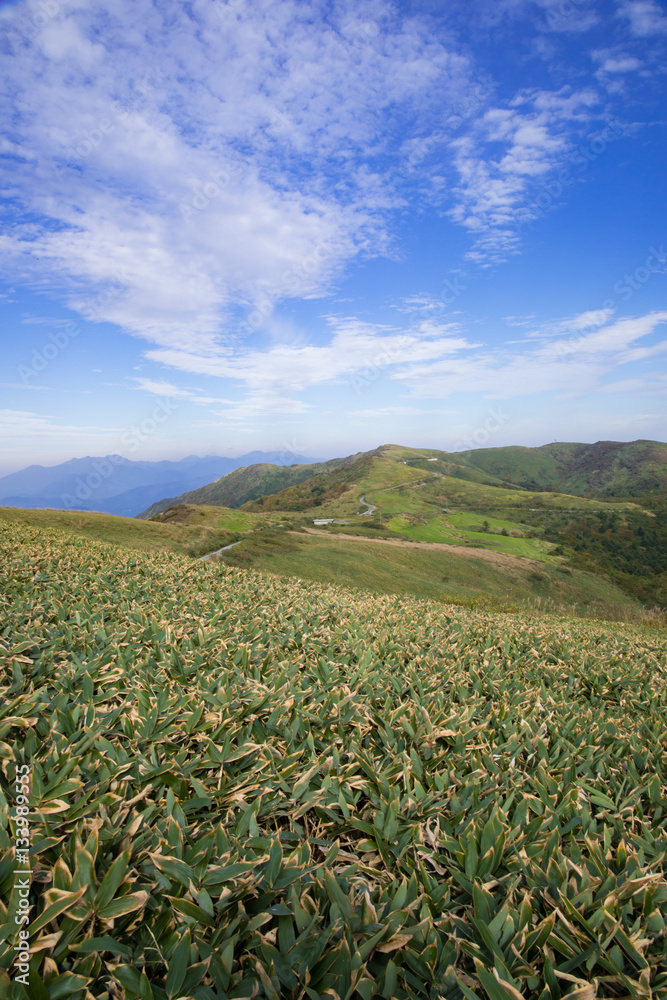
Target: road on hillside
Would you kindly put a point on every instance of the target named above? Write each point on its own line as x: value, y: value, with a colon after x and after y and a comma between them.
x: 370, y: 506
x: 217, y: 551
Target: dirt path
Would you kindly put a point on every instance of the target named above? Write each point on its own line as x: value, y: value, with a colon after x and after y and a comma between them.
x: 488, y: 555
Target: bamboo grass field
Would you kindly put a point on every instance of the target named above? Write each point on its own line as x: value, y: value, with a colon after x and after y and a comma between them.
x: 247, y: 786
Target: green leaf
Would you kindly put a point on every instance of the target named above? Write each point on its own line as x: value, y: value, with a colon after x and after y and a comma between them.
x: 145, y: 990
x: 275, y: 862
x: 390, y: 981
x: 112, y: 880
x: 337, y: 896
x: 470, y: 994
x: 471, y: 858
x: 36, y: 988
x: 98, y: 944
x: 175, y: 869
x: 65, y: 985
x: 178, y: 966
x: 189, y: 909
x: 54, y: 910
x: 128, y: 977
x: 124, y: 904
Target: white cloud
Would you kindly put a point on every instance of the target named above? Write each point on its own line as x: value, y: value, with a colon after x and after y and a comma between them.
x: 22, y: 428
x: 173, y: 198
x: 570, y: 366
x: 607, y: 339
x: 645, y: 17
x: 569, y: 356
x: 355, y: 346
x: 614, y: 65
x: 620, y: 64
x: 161, y: 388
x: 181, y: 194
x: 502, y: 159
x: 399, y: 411
x: 31, y: 388
x: 549, y: 15
x: 574, y: 325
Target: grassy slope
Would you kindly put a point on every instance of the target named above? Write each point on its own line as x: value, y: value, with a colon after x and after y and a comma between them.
x: 201, y: 530
x: 195, y: 531
x: 419, y: 494
x: 249, y: 483
x: 280, y: 786
x: 336, y: 490
x: 444, y: 575
x: 607, y: 468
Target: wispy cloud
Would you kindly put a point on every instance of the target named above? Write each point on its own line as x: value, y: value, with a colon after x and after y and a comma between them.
x: 354, y: 345
x: 21, y: 426
x: 645, y: 16
x: 569, y: 366
x: 502, y: 159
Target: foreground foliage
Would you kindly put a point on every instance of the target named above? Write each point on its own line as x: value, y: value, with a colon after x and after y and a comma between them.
x: 245, y: 786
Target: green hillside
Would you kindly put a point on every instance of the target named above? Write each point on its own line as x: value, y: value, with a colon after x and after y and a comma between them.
x: 242, y: 786
x: 249, y: 483
x: 430, y: 496
x: 193, y: 536
x: 470, y: 576
x: 607, y: 468
x: 599, y: 508
x: 453, y: 575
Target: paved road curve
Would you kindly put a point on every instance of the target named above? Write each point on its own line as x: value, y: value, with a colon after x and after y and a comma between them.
x: 223, y: 549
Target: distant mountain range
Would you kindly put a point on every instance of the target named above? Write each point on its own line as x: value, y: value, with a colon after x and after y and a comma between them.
x: 115, y: 485
x: 610, y: 469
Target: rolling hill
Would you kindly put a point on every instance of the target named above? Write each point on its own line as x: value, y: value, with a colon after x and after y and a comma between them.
x: 599, y: 507
x: 250, y: 483
x: 607, y: 468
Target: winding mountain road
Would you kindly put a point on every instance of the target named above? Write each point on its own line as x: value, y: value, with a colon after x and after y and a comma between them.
x: 217, y: 551
x: 370, y: 506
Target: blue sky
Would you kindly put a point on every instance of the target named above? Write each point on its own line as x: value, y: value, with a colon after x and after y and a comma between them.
x: 320, y: 227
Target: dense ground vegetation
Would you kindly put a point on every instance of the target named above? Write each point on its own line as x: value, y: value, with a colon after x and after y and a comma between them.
x: 245, y: 786
x: 630, y: 548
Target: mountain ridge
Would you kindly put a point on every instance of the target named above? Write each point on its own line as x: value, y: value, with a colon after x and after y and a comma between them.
x: 113, y: 484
